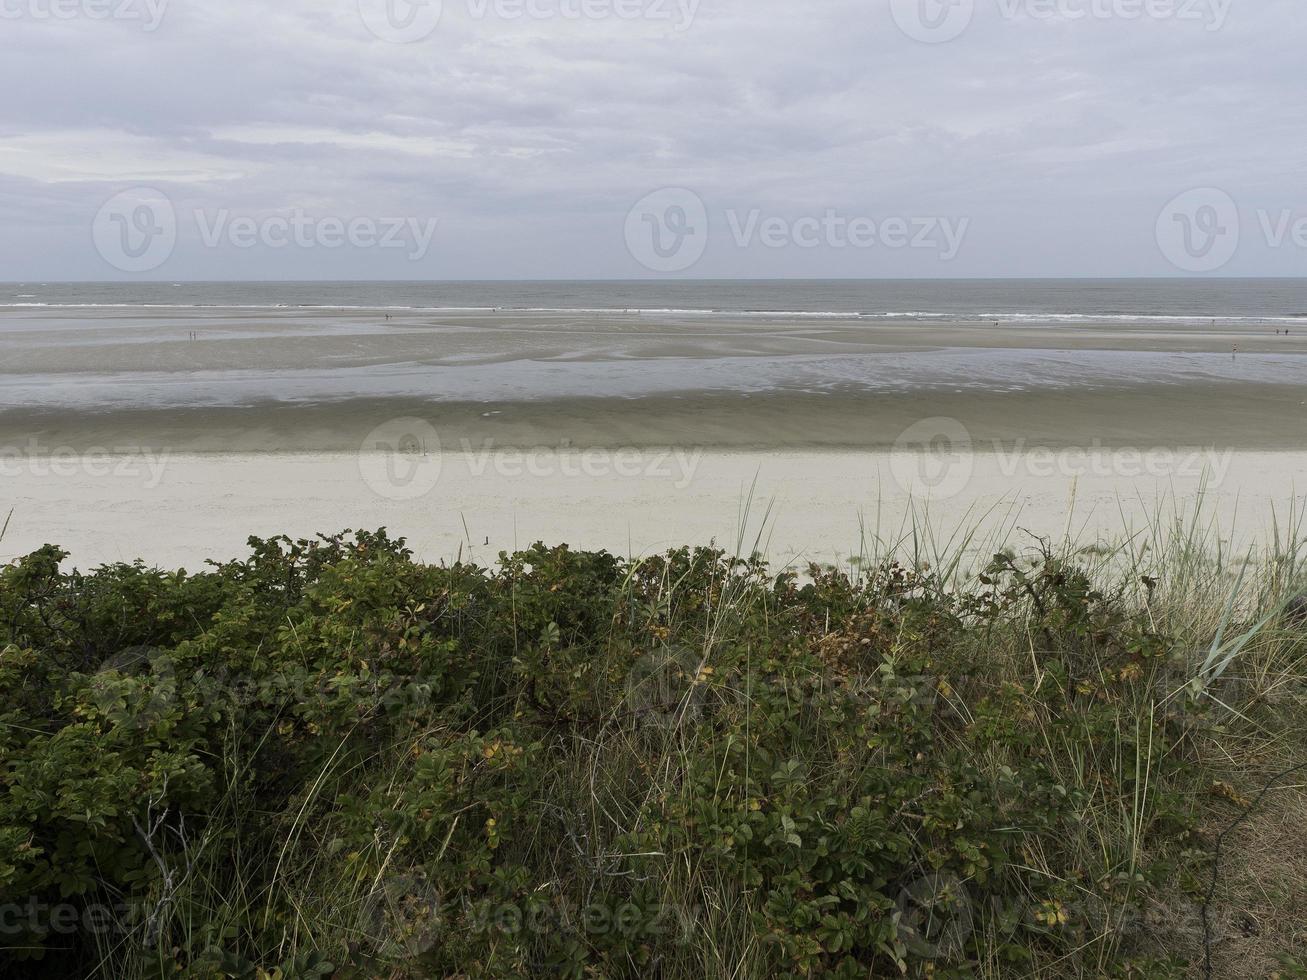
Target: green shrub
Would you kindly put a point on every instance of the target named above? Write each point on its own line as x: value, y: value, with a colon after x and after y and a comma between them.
x: 328, y: 760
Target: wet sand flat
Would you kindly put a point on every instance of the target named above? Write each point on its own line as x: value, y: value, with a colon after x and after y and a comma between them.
x: 217, y: 380
x: 138, y: 339
x: 1229, y: 415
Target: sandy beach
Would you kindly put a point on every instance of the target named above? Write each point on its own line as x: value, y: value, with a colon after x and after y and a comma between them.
x: 172, y: 434
x: 178, y: 510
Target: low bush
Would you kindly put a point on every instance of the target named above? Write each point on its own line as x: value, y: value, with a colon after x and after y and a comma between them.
x: 328, y: 760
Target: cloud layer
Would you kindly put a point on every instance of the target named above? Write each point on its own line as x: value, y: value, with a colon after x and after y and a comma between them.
x: 1054, y: 132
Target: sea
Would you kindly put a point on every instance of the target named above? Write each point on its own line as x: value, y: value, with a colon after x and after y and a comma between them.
x: 1269, y: 300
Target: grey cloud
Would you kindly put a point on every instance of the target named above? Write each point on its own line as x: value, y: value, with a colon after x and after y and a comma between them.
x: 1060, y: 141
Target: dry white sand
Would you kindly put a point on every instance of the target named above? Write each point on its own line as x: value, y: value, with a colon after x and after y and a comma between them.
x: 827, y: 506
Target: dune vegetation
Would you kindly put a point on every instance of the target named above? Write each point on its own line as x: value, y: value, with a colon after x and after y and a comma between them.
x: 329, y: 760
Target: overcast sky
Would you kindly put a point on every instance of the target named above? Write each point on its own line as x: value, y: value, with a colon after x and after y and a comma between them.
x: 828, y: 138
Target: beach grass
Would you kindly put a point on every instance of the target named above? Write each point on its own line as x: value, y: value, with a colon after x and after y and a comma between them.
x: 997, y: 756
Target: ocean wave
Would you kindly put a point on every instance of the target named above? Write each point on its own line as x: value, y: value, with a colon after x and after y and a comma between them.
x: 1050, y: 316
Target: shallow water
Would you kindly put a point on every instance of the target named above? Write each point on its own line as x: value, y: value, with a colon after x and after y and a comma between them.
x: 118, y: 357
